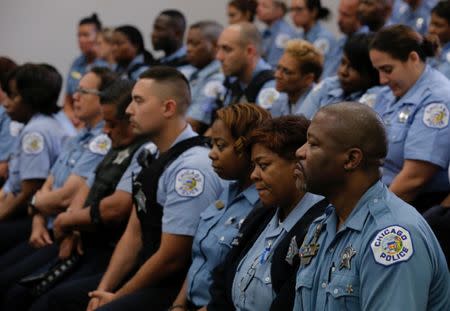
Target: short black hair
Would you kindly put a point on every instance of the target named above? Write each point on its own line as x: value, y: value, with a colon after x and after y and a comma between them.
x: 6, y: 65
x: 177, y: 19
x: 39, y: 86
x: 171, y: 77
x: 93, y: 19
x: 119, y: 95
x: 135, y: 37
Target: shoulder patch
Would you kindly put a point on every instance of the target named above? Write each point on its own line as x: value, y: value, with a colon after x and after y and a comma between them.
x: 189, y: 182
x: 76, y: 75
x: 436, y: 116
x: 392, y: 245
x: 323, y: 45
x: 33, y: 143
x: 368, y: 100
x: 281, y: 40
x: 267, y: 97
x: 100, y: 144
x: 213, y: 89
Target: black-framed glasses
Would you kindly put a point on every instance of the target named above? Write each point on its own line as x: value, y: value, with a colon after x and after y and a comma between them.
x: 296, y: 9
x: 87, y: 91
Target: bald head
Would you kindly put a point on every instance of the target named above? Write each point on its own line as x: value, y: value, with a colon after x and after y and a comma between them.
x: 354, y: 125
x: 247, y: 33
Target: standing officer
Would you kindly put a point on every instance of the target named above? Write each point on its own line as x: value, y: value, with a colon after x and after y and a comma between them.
x: 440, y: 26
x: 368, y: 239
x: 207, y: 77
x: 277, y: 32
x: 248, y: 77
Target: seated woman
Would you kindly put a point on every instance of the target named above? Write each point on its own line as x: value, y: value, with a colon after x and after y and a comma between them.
x: 33, y: 92
x: 259, y: 272
x: 356, y: 79
x: 129, y: 52
x: 307, y: 15
x: 220, y: 222
x: 415, y: 110
x: 298, y: 69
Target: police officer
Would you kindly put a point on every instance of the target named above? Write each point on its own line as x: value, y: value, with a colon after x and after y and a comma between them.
x: 33, y: 92
x: 6, y: 136
x: 96, y: 217
x: 440, y: 27
x: 87, y: 33
x: 207, y: 77
x: 368, y: 239
x: 297, y: 71
x: 307, y: 14
x: 220, y: 222
x: 277, y: 31
x: 414, y: 13
x: 375, y: 13
x: 168, y: 201
x: 129, y: 52
x: 415, y: 110
x: 259, y: 271
x: 248, y: 77
x: 167, y: 36
x: 357, y: 79
x: 349, y: 24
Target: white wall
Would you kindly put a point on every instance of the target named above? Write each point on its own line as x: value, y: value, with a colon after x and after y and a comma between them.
x: 45, y: 30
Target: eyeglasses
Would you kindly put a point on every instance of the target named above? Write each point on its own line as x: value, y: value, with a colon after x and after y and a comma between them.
x: 296, y: 9
x: 87, y: 91
x: 285, y: 71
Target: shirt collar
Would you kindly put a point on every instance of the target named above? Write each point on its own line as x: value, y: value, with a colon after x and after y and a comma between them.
x: 299, y: 211
x: 211, y: 68
x: 181, y: 52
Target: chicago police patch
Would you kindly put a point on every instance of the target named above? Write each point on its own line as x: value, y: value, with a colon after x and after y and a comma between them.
x: 33, y: 143
x: 189, y: 182
x: 436, y: 116
x: 392, y: 245
x: 100, y: 144
x: 267, y: 97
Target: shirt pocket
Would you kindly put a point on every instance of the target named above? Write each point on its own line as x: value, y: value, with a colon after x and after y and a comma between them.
x: 397, y: 133
x: 303, y: 289
x: 343, y: 293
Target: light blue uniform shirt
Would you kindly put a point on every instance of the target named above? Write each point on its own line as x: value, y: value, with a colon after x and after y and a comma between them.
x: 6, y: 139
x: 205, y: 83
x: 384, y: 257
x: 419, y: 19
x: 252, y: 284
x: 80, y: 155
x: 180, y: 53
x: 282, y: 107
x: 274, y: 39
x: 417, y: 127
x: 35, y: 151
x: 219, y: 225
x: 335, y: 56
x: 266, y: 96
x: 79, y: 67
x: 442, y: 62
x: 329, y: 92
x: 188, y: 184
x: 65, y: 123
x: 325, y: 42
x: 136, y: 67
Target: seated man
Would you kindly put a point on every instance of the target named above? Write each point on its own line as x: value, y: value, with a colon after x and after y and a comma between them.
x: 150, y: 261
x: 368, y: 240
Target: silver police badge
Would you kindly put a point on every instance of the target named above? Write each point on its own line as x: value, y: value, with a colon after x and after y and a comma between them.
x: 346, y: 258
x: 292, y: 251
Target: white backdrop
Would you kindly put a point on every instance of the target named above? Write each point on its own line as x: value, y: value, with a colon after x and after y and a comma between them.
x: 45, y: 30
